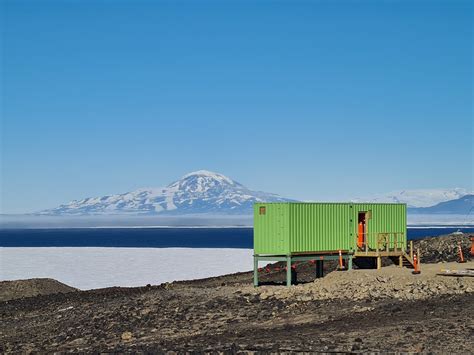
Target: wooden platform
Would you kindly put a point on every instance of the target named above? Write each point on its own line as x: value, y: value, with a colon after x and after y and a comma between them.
x: 399, y: 257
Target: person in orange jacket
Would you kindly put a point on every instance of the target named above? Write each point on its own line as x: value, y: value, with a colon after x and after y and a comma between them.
x: 360, y: 236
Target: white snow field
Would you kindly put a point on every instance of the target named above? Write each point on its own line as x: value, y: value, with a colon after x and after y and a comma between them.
x: 445, y: 220
x: 89, y: 268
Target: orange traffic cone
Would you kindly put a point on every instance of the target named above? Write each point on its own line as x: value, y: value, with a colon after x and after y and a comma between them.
x: 416, y: 265
x: 461, y: 256
x: 341, y: 266
x: 472, y: 246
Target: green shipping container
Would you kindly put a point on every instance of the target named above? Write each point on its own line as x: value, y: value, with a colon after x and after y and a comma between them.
x: 292, y: 228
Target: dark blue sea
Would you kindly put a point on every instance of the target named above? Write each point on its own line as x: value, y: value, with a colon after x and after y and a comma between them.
x: 155, y: 237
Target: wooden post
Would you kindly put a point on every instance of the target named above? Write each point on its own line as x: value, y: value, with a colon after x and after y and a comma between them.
x: 349, y: 263
x: 411, y: 249
x: 255, y: 270
x: 400, y: 261
x: 366, y: 237
x: 461, y: 255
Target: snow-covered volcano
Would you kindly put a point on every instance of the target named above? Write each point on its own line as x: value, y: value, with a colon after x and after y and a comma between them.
x: 196, y: 193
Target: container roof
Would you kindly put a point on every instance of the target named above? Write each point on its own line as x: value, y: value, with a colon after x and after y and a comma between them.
x: 329, y: 203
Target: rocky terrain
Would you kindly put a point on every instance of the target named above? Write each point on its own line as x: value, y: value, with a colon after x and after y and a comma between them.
x: 352, y: 311
x: 444, y: 248
x: 389, y: 282
x: 29, y: 288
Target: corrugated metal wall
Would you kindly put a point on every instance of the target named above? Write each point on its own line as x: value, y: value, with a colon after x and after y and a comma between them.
x: 270, y: 230
x: 386, y: 218
x: 319, y: 227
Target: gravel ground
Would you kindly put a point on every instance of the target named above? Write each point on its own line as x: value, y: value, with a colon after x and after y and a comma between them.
x: 389, y: 282
x: 10, y: 290
x: 357, y: 311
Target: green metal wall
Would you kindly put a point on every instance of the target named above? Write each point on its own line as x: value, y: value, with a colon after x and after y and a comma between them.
x: 386, y: 218
x: 318, y: 227
x: 271, y: 230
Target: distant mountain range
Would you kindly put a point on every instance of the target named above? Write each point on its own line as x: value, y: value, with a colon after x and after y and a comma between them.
x: 419, y: 198
x: 206, y: 192
x: 463, y: 205
x: 200, y: 192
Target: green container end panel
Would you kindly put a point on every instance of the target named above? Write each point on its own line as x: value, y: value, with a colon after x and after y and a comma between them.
x: 271, y: 228
x: 284, y: 228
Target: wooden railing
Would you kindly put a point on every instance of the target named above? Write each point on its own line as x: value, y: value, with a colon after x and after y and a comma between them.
x: 387, y: 241
x: 392, y: 241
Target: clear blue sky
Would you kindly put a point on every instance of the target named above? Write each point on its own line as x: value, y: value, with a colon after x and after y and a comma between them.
x: 309, y: 99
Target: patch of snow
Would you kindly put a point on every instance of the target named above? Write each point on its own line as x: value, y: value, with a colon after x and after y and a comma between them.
x: 210, y: 174
x: 88, y: 268
x: 440, y: 219
x: 158, y: 207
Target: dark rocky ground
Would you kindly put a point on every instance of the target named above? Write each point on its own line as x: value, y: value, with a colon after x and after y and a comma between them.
x: 444, y: 248
x: 10, y: 290
x: 226, y: 314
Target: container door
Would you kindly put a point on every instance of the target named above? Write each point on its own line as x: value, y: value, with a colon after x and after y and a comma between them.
x: 271, y: 229
x: 363, y: 229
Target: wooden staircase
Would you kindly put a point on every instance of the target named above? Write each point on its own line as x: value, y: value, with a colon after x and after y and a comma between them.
x: 387, y: 245
x: 406, y: 259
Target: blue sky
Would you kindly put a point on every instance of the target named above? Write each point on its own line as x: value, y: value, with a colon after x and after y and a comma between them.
x: 309, y: 99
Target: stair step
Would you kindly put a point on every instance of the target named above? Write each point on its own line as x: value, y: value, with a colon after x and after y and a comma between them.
x: 405, y: 262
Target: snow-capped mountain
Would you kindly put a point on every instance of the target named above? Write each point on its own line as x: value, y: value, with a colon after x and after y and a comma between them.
x: 196, y: 193
x: 419, y: 198
x: 461, y: 206
x: 205, y: 192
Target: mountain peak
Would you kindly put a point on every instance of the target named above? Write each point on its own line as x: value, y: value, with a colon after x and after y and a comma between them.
x: 198, y: 192
x: 204, y: 173
x: 209, y: 175
x: 203, y: 180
